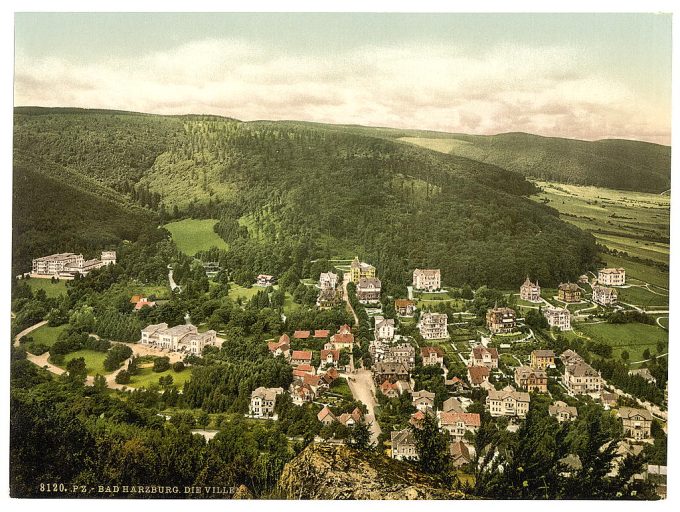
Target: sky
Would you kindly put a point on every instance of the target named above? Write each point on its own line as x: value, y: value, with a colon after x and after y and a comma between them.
x: 586, y: 76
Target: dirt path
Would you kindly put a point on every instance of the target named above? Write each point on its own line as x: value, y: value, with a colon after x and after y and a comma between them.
x: 361, y: 386
x: 345, y: 297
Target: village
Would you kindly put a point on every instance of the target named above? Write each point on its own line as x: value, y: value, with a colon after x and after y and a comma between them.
x: 500, y: 368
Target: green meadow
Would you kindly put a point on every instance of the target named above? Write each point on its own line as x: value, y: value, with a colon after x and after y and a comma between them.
x: 194, y: 235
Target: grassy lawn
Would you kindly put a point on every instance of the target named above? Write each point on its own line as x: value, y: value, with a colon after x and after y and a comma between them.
x: 639, y: 271
x: 147, y: 377
x: 236, y: 291
x: 634, y: 338
x: 193, y: 235
x: 94, y: 361
x: 340, y: 387
x: 641, y: 297
x: 51, y: 289
x: 290, y: 306
x: 45, y: 335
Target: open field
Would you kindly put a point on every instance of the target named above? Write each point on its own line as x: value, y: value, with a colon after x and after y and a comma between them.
x: 45, y: 335
x: 236, y: 291
x: 51, y: 289
x: 635, y: 222
x: 194, y: 235
x: 94, y: 361
x: 639, y: 271
x: 641, y: 297
x: 146, y: 377
x: 633, y: 337
x: 441, y: 145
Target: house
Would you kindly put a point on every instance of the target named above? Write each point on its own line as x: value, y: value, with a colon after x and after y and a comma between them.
x: 657, y: 475
x: 542, y: 359
x: 569, y: 292
x: 427, y: 279
x: 422, y: 400
x: 325, y: 416
x: 531, y: 379
x: 562, y: 411
x: 328, y: 281
x: 384, y: 328
x: 67, y: 264
x: 330, y: 357
x: 405, y: 307
x: 301, y: 335
x: 637, y: 423
x: 393, y: 390
x: 368, y: 290
x: 321, y: 334
x: 609, y: 400
x: 135, y: 299
x: 432, y: 356
x: 583, y: 279
x: 108, y: 258
x: 500, y: 320
x: 360, y: 270
x: 604, y: 296
x: 403, y: 353
x: 301, y: 357
x: 390, y: 371
x: 558, y: 317
x: 343, y: 338
x: 452, y: 405
x: 349, y: 419
x: 482, y: 356
x: 330, y: 376
x: 507, y: 402
x: 144, y: 302
x: 279, y: 348
x: 570, y: 357
x: 315, y: 382
x: 417, y: 418
x: 301, y: 393
x: 460, y: 454
x: 644, y: 373
x: 403, y: 445
x: 458, y: 423
x: 262, y: 402
x: 612, y: 276
x: 303, y: 369
x: 456, y: 384
x: 265, y: 280
x: 433, y: 326
x: 529, y: 291
x: 580, y: 378
x: 477, y: 375
x: 181, y: 338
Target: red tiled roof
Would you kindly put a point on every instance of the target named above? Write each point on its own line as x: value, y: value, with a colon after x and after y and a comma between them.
x: 304, y: 355
x: 312, y: 380
x: 275, y: 345
x: 325, y: 412
x: 334, y: 353
x: 143, y: 303
x: 135, y: 299
x: 305, y: 368
x: 299, y: 373
x: 469, y: 418
x: 478, y: 373
x: 344, y: 329
x: 426, y: 351
x: 301, y: 335
x: 479, y: 350
x: 343, y: 338
x: 402, y: 303
x: 386, y: 387
x: 284, y: 338
x: 321, y: 333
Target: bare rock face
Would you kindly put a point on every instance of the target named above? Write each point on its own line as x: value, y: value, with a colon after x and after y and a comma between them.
x: 332, y: 472
x: 243, y: 493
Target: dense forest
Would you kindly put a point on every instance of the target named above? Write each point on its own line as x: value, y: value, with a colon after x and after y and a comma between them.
x: 341, y: 192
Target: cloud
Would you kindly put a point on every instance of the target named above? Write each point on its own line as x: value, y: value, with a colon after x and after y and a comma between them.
x: 556, y: 91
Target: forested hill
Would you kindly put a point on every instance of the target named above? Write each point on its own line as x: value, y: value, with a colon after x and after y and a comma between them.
x: 611, y: 163
x: 339, y: 190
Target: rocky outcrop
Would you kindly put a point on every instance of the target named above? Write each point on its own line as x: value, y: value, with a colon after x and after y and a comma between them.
x: 330, y: 472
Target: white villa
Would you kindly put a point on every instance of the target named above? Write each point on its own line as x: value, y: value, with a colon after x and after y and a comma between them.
x: 427, y: 279
x: 558, y: 317
x: 384, y: 329
x: 262, y: 402
x: 181, y: 338
x: 67, y: 264
x: 328, y: 281
x: 368, y: 290
x: 580, y: 378
x: 507, y: 402
x: 612, y: 276
x: 433, y: 326
x: 605, y: 296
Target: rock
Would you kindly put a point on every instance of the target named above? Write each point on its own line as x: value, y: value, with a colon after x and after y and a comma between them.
x: 242, y: 493
x: 330, y: 472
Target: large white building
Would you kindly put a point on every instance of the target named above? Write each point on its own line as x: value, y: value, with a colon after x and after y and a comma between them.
x: 507, y: 402
x: 384, y: 328
x: 433, y: 326
x: 68, y: 264
x: 612, y: 276
x: 181, y: 338
x: 580, y: 378
x: 604, y: 295
x: 558, y: 317
x: 427, y: 279
x: 328, y: 281
x: 529, y: 291
x: 262, y: 402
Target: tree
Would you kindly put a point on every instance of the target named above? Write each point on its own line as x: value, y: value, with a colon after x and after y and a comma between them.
x: 203, y: 419
x: 433, y: 447
x: 161, y: 364
x: 625, y: 356
x: 165, y: 381
x: 123, y: 377
x: 360, y: 436
x: 100, y: 383
x: 646, y: 354
x: 178, y: 366
x: 77, y: 370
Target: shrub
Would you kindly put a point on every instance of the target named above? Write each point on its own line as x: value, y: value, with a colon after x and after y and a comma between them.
x: 161, y: 364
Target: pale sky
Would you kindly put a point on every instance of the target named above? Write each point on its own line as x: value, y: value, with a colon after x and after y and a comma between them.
x: 586, y: 76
